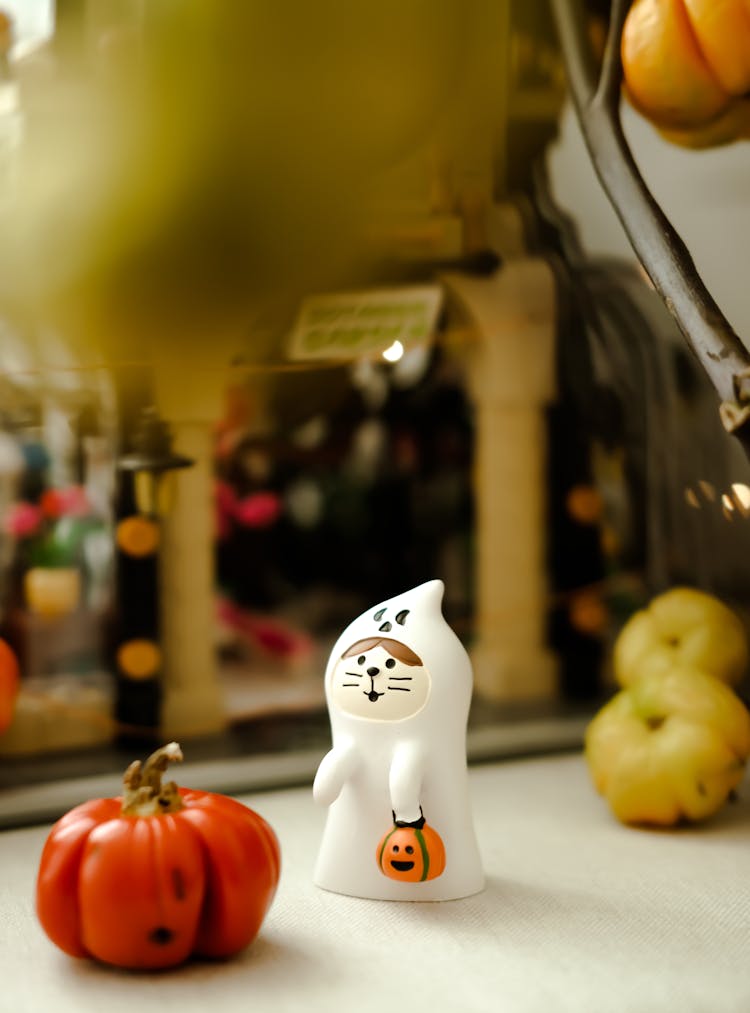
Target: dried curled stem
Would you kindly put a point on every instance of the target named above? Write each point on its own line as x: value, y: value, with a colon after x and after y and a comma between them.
x: 144, y: 794
x: 657, y: 244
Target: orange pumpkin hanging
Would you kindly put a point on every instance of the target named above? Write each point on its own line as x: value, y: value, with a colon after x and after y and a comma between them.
x: 686, y: 65
x: 411, y: 852
x: 162, y: 874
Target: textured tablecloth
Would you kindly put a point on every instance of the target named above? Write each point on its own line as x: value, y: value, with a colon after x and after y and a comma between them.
x: 580, y: 914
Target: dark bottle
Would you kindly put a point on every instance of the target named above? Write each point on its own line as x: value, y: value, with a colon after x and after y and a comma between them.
x: 135, y: 648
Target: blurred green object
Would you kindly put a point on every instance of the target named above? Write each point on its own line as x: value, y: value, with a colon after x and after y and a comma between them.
x: 62, y: 544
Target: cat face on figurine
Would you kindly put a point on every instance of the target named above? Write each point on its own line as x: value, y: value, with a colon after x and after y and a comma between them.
x: 380, y: 679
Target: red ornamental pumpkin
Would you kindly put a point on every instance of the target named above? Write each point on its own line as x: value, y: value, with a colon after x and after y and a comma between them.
x: 162, y: 874
x: 411, y: 852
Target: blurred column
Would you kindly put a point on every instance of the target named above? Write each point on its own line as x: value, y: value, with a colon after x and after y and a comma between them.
x: 188, y: 397
x: 511, y: 316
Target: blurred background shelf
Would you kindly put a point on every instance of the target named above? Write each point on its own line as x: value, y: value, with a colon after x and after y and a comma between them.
x: 258, y: 755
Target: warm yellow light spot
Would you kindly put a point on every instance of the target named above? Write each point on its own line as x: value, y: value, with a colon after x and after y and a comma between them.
x: 727, y: 502
x: 708, y: 491
x: 610, y: 541
x: 394, y: 352
x: 52, y: 591
x: 155, y: 492
x: 741, y: 494
x: 139, y: 659
x: 137, y: 536
x: 691, y: 499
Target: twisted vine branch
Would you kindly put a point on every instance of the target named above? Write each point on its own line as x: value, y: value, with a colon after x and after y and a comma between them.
x: 654, y: 239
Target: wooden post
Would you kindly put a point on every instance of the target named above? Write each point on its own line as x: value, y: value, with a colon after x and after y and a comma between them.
x: 512, y: 377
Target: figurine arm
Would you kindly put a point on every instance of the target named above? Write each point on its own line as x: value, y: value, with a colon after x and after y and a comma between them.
x: 405, y: 781
x: 335, y: 769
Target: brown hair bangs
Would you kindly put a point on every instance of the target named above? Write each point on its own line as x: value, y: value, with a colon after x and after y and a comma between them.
x: 394, y: 647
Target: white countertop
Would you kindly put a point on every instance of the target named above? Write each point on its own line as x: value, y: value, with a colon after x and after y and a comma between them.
x: 580, y: 914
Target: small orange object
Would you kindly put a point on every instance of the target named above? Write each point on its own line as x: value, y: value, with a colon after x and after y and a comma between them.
x: 588, y: 613
x: 139, y: 659
x: 9, y: 683
x: 411, y: 852
x: 137, y: 536
x: 163, y: 873
x: 584, y: 504
x: 686, y: 65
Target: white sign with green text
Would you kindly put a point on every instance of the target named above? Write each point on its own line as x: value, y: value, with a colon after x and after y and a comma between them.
x: 348, y: 325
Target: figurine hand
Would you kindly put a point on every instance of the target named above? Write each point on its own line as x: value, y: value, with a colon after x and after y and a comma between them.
x: 409, y: 818
x: 334, y: 771
x: 405, y: 781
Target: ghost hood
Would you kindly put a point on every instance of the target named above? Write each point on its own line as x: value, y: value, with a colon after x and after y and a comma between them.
x: 414, y: 619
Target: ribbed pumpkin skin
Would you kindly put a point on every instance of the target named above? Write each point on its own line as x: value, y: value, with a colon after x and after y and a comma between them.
x: 151, y: 891
x: 410, y: 854
x: 686, y: 67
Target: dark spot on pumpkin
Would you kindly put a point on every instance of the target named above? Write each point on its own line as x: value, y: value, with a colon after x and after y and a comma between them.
x: 655, y: 722
x: 161, y: 936
x: 409, y: 849
x: 701, y: 788
x: 402, y: 866
x: 178, y: 884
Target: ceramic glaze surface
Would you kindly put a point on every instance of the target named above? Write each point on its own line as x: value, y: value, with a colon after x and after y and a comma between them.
x: 398, y: 686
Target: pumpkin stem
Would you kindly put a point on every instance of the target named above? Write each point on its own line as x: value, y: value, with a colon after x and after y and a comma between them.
x: 144, y: 794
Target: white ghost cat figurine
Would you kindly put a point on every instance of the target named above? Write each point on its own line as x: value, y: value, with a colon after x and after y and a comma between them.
x: 398, y: 687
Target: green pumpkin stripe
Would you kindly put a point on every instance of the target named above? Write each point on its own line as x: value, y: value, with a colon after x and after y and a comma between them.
x: 384, y: 845
x: 425, y: 854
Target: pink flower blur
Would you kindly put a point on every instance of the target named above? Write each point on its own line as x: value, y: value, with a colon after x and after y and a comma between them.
x: 23, y: 519
x: 259, y: 510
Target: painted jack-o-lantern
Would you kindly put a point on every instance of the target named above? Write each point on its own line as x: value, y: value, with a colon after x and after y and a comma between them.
x: 411, y: 852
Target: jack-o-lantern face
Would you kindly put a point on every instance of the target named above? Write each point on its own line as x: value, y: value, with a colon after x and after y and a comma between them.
x: 411, y: 854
